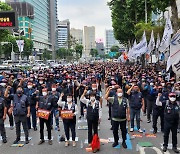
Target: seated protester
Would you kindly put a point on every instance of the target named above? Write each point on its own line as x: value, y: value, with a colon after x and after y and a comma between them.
x: 94, y: 113
x: 70, y: 122
x: 45, y: 102
x: 120, y: 109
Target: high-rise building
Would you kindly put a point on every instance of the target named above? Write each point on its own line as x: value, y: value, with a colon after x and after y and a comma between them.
x: 89, y: 40
x: 77, y: 34
x: 110, y: 40
x: 25, y: 12
x: 63, y: 30
x: 44, y: 24
x: 100, y: 46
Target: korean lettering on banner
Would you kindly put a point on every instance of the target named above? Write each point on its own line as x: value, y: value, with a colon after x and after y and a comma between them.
x: 44, y: 114
x: 67, y: 114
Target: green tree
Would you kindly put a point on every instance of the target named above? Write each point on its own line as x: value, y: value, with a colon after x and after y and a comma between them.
x: 4, y: 32
x: 125, y: 15
x: 161, y: 5
x: 93, y: 52
x: 141, y: 27
x: 46, y: 54
x: 79, y: 49
x: 114, y: 48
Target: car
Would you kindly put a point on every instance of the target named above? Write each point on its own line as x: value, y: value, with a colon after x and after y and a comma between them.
x: 41, y: 66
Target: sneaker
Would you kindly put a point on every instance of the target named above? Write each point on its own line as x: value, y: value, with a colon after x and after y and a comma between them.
x: 27, y: 141
x: 50, y: 142
x: 109, y: 118
x: 140, y: 131
x: 16, y: 141
x: 74, y: 143
x: 80, y: 118
x: 41, y: 142
x: 124, y: 145
x: 58, y: 129
x: 175, y: 150
x: 164, y: 149
x: 111, y: 128
x: 4, y: 140
x: 66, y: 143
x: 11, y: 127
x: 148, y: 121
x: 132, y: 130
x: 35, y: 129
x: 114, y: 144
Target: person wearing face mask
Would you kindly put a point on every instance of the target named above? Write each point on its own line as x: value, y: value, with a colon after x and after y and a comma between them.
x: 3, y: 84
x: 171, y: 119
x: 151, y: 98
x: 21, y: 111
x: 158, y: 108
x: 45, y: 102
x: 30, y: 92
x: 120, y: 109
x: 69, y: 123
x: 98, y: 93
x: 136, y: 102
x: 55, y: 96
x: 94, y: 113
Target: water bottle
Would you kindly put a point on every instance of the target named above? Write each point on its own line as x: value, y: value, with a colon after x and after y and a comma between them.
x: 144, y: 131
x: 137, y: 147
x: 81, y: 144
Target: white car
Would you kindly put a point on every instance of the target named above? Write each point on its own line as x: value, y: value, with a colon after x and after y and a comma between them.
x: 40, y: 67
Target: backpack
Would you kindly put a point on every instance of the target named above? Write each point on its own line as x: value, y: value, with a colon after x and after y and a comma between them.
x: 95, y: 143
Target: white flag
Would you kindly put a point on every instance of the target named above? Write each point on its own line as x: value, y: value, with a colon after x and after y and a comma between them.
x: 166, y: 36
x: 20, y: 44
x: 158, y: 41
x: 141, y: 47
x: 130, y: 53
x: 151, y: 44
x: 174, y: 58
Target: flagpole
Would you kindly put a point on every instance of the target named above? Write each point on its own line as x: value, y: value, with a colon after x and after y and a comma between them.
x: 146, y: 11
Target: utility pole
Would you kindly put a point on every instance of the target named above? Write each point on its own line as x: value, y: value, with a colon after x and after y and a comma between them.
x: 146, y: 11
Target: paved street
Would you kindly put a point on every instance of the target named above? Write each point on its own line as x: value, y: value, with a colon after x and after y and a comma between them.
x: 104, y: 133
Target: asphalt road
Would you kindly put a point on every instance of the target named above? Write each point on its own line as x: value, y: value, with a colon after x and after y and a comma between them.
x: 104, y: 133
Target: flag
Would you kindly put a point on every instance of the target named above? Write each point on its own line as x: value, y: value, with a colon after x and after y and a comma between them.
x: 158, y: 41
x: 174, y: 58
x: 131, y: 55
x: 141, y: 47
x: 20, y: 44
x: 165, y: 42
x: 151, y: 44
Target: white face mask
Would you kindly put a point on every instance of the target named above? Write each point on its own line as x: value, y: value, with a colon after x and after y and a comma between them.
x: 119, y: 94
x: 113, y: 87
x: 41, y: 82
x: 3, y: 84
x: 29, y: 86
x: 44, y: 93
x: 69, y: 100
x: 172, y: 99
x: 53, y: 89
x: 68, y: 80
x: 151, y: 84
x: 93, y: 88
x: 163, y: 84
x: 92, y: 99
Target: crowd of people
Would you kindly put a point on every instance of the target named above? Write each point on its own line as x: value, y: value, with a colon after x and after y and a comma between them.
x: 129, y: 89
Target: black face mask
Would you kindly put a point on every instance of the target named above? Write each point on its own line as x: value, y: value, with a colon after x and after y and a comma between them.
x: 19, y: 92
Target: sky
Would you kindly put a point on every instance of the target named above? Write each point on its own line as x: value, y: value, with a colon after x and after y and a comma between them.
x: 86, y: 13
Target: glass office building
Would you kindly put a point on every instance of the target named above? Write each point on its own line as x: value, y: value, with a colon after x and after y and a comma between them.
x: 44, y: 23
